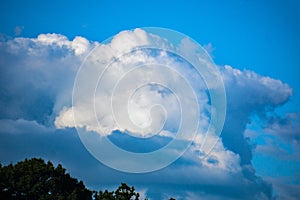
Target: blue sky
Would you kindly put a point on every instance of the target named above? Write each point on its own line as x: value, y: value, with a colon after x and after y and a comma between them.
x: 259, y: 36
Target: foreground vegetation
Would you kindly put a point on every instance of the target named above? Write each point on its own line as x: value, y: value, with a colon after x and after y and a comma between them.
x: 36, y: 180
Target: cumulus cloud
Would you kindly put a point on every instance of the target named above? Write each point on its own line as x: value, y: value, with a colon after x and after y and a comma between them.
x: 37, y: 75
x: 36, y: 81
x: 248, y: 94
x: 133, y: 90
x: 79, y: 45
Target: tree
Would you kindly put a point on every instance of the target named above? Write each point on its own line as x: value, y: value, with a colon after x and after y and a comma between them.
x: 106, y: 195
x: 35, y: 180
x: 124, y: 192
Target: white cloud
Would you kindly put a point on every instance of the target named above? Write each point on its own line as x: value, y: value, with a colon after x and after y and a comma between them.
x: 124, y: 100
x: 250, y: 88
x: 209, y: 48
x: 217, y: 159
x: 40, y: 71
x: 53, y: 39
x: 79, y: 45
x: 248, y: 94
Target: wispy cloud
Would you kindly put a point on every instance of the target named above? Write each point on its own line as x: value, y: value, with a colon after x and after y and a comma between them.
x: 18, y: 30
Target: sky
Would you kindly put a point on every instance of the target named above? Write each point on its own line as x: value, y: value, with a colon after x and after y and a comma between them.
x: 254, y: 45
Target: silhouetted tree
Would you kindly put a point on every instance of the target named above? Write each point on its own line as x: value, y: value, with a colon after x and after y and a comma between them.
x: 35, y: 180
x: 124, y: 192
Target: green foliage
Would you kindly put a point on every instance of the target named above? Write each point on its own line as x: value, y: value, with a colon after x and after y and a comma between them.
x: 35, y: 180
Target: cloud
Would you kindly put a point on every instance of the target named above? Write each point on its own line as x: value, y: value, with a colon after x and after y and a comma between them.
x: 79, y: 45
x: 285, y: 190
x: 209, y: 48
x: 37, y: 75
x: 277, y: 153
x: 36, y: 81
x: 248, y: 94
x: 287, y: 127
x: 117, y: 76
x: 64, y: 146
x: 21, y: 126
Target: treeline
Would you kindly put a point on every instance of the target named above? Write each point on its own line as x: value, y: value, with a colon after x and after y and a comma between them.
x: 34, y: 179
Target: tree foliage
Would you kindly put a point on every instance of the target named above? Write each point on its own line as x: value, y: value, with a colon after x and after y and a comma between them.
x: 124, y: 192
x: 36, y: 180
